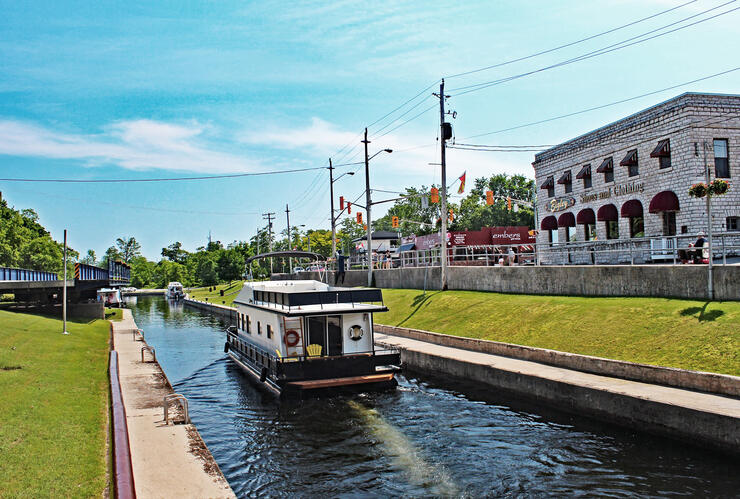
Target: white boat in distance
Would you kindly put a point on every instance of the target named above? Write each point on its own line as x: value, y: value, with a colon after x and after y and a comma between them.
x: 174, y: 291
x: 304, y: 337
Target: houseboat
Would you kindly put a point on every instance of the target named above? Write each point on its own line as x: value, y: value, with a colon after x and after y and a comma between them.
x: 302, y: 337
x: 174, y: 291
x: 111, y: 297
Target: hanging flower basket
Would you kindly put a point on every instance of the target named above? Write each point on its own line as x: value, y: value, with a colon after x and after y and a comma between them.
x: 698, y: 190
x: 718, y: 187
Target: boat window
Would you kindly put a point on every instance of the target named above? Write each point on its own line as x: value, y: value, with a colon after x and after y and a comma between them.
x: 316, y: 326
x: 334, y: 335
x: 259, y: 327
x: 269, y: 331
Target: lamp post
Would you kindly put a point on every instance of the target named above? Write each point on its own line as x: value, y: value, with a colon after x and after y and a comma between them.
x: 369, y: 203
x: 710, y: 284
x: 333, y: 218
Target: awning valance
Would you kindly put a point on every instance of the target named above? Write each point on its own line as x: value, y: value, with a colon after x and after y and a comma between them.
x: 585, y: 172
x: 406, y: 247
x: 607, y: 213
x: 549, y: 223
x: 606, y: 166
x: 662, y: 149
x: 564, y: 178
x: 548, y: 184
x: 630, y: 159
x: 632, y: 208
x: 566, y: 220
x: 586, y: 216
x: 664, y: 201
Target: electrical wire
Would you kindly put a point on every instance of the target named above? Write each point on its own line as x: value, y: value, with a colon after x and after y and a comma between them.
x: 543, y: 52
x: 604, y: 50
x: 402, y: 115
x: 407, y: 121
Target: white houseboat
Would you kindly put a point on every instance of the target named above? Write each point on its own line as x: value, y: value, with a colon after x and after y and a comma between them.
x: 295, y: 337
x: 111, y: 297
x: 174, y: 291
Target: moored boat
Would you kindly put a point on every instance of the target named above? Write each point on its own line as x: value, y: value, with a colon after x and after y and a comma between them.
x: 174, y: 291
x: 298, y: 337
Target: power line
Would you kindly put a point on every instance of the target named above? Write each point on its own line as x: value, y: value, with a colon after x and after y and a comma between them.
x: 604, y: 50
x: 402, y: 105
x: 402, y: 115
x: 519, y: 59
x: 602, y: 106
x: 405, y: 122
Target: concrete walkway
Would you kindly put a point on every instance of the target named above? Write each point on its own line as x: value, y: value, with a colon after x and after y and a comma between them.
x: 168, y: 460
x: 705, y: 419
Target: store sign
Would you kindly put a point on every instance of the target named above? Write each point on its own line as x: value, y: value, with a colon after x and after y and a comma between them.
x: 559, y: 204
x: 617, y: 190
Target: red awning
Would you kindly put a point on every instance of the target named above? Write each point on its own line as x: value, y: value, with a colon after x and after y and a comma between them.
x: 662, y: 149
x: 564, y: 178
x: 585, y: 172
x: 606, y: 165
x: 607, y: 213
x: 664, y: 201
x: 586, y: 216
x: 632, y: 208
x: 549, y: 223
x: 548, y: 184
x: 630, y: 159
x: 566, y: 220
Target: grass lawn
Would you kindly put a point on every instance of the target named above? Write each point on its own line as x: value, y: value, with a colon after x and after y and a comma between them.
x: 113, y: 314
x: 230, y: 291
x: 676, y: 333
x: 53, y: 407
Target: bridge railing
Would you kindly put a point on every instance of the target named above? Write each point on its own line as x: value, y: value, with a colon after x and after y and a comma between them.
x: 85, y: 272
x: 11, y: 274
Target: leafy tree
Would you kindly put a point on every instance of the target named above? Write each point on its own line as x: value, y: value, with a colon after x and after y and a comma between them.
x: 413, y: 217
x: 230, y: 265
x: 473, y: 212
x: 128, y: 248
x: 175, y: 253
x: 89, y: 258
x: 111, y: 254
x: 207, y: 272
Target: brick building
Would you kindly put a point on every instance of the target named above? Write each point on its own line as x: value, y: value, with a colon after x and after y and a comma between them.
x: 628, y: 181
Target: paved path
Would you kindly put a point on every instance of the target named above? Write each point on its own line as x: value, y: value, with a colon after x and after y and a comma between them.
x: 168, y: 460
x: 676, y: 411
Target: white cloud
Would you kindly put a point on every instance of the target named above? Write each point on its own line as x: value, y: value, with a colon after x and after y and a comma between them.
x: 135, y: 145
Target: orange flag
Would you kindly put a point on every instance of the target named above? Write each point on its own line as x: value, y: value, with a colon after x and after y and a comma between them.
x: 462, y: 183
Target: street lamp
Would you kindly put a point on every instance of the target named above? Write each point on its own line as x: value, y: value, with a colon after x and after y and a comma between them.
x: 369, y: 203
x: 333, y: 218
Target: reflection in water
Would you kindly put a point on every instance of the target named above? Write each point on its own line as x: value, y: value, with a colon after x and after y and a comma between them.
x: 424, y: 439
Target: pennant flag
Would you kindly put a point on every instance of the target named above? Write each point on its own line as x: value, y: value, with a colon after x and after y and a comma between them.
x: 462, y: 183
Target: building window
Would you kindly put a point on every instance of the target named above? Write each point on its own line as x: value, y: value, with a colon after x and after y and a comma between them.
x: 637, y: 226
x: 269, y: 331
x: 553, y: 236
x: 571, y: 234
x: 733, y: 223
x: 585, y: 175
x: 566, y: 181
x: 612, y: 229
x: 589, y: 232
x: 663, y: 152
x: 549, y: 184
x: 721, y: 159
x: 587, y: 182
x: 607, y: 168
x: 551, y: 191
x: 669, y: 223
x: 630, y: 161
x: 248, y: 325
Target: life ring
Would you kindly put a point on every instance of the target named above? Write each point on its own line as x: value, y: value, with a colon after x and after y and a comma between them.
x: 291, y: 338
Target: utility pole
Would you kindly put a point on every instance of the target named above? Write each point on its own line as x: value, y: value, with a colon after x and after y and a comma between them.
x: 290, y: 244
x: 443, y: 140
x: 268, y: 216
x: 333, y: 220
x: 368, y: 203
x: 64, y: 288
x: 710, y: 284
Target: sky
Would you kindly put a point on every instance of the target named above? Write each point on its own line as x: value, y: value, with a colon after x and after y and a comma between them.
x: 141, y: 90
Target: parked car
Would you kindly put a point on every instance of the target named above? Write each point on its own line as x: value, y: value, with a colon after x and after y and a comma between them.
x: 298, y: 269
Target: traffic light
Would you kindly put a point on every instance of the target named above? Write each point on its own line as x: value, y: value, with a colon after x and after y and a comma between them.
x: 435, y: 195
x: 451, y: 216
x: 364, y: 226
x: 489, y: 197
x: 508, y: 203
x: 395, y: 222
x: 341, y: 203
x: 359, y: 217
x: 349, y: 208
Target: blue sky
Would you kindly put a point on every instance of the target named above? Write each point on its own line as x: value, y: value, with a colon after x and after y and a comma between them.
x: 178, y: 88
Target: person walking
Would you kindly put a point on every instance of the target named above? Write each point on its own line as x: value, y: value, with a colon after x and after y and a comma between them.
x: 340, y: 268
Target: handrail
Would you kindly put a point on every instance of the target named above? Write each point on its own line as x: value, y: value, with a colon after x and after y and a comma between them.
x: 176, y: 397
x: 151, y: 351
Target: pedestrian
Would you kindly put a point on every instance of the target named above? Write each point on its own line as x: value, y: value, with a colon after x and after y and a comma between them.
x: 387, y: 259
x: 340, y: 268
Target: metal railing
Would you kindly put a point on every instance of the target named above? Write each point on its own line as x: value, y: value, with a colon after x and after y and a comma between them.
x: 176, y: 397
x: 674, y: 250
x: 12, y: 274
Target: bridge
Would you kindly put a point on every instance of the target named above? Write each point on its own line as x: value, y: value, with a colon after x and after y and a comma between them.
x: 46, y: 287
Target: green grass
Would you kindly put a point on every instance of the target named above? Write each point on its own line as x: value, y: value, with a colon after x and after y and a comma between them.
x: 231, y: 290
x: 113, y: 314
x: 676, y: 333
x: 53, y: 407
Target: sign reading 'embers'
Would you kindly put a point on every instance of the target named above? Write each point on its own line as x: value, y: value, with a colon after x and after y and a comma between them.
x: 559, y: 204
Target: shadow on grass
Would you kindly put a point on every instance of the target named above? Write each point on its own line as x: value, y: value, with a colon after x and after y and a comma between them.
x: 703, y: 316
x: 419, y: 300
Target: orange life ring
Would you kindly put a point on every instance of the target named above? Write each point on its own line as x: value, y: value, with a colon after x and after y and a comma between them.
x: 291, y: 338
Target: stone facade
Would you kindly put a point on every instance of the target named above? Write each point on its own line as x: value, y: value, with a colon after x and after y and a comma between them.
x: 691, y: 122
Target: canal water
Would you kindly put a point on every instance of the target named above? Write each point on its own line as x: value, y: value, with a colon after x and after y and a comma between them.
x: 427, y: 438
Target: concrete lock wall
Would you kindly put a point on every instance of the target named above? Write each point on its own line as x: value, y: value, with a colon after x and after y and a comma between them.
x: 675, y: 281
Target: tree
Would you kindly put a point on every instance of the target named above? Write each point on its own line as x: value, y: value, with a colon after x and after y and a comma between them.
x: 413, y: 217
x: 128, y: 248
x: 230, y: 265
x: 206, y: 272
x: 111, y: 254
x: 473, y: 212
x: 175, y: 253
x: 89, y: 258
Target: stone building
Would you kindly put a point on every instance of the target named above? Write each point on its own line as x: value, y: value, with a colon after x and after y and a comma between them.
x: 628, y: 182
